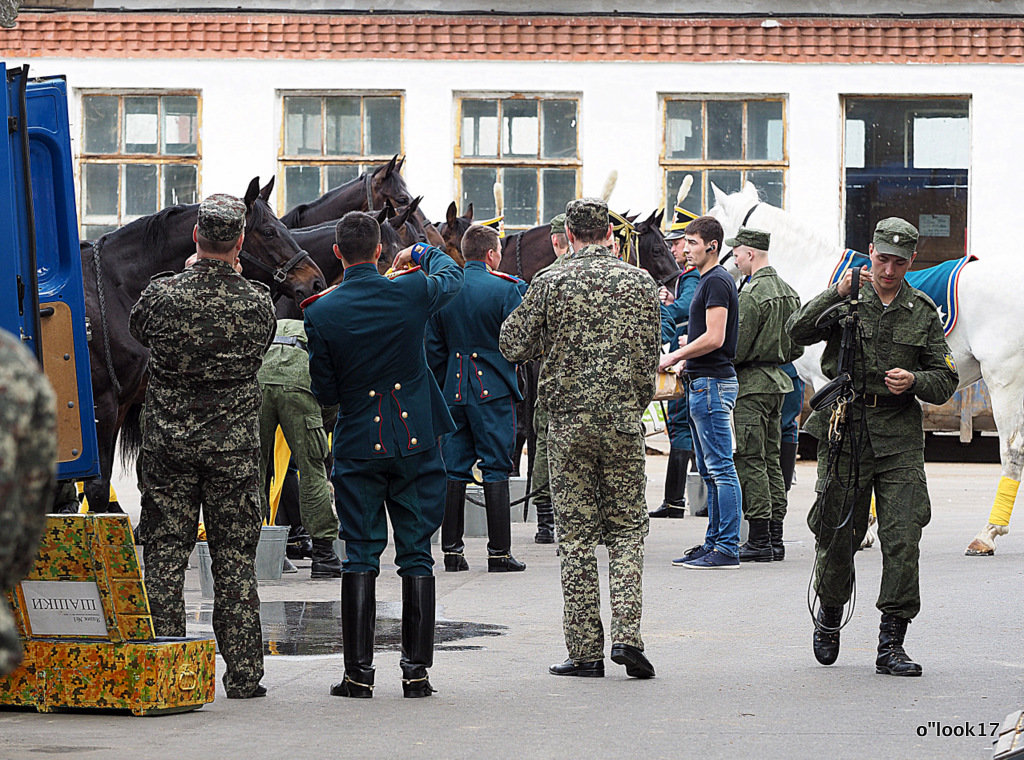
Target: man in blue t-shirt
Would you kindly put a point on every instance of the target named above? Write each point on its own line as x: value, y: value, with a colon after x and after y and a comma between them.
x: 707, y: 359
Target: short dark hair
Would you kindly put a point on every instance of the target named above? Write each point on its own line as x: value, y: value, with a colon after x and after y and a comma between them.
x: 588, y: 237
x: 357, y: 235
x: 478, y: 240
x: 219, y: 247
x: 708, y: 229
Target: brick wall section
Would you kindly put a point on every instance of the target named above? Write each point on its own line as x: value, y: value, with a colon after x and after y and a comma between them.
x: 529, y: 38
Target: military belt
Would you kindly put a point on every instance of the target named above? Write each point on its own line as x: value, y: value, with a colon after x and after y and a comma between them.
x: 874, y: 400
x: 290, y: 340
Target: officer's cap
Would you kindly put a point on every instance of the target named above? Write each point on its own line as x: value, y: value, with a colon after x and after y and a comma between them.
x: 896, y: 237
x: 586, y: 214
x: 558, y: 224
x: 221, y: 217
x: 748, y: 236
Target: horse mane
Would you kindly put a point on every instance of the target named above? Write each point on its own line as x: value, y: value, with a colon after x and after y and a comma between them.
x: 152, y: 228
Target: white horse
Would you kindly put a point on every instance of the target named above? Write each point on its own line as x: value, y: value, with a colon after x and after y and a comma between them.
x: 987, y: 341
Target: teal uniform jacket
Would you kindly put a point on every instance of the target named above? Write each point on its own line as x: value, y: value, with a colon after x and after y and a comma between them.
x: 365, y: 339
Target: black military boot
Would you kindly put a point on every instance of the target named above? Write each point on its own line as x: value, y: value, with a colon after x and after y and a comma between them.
x: 787, y: 461
x: 325, y: 562
x: 775, y: 534
x: 358, y: 619
x: 892, y: 660
x: 453, y: 526
x: 675, y: 485
x: 758, y: 547
x: 826, y: 634
x: 417, y: 635
x: 300, y: 545
x: 545, y: 523
x: 499, y: 530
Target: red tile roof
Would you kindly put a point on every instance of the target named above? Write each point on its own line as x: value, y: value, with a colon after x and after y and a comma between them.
x: 535, y: 38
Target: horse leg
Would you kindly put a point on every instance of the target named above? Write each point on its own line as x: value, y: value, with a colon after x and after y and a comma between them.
x: 1008, y: 411
x: 97, y: 490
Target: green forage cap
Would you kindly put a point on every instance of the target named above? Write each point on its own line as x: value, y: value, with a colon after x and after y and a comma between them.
x: 558, y: 224
x: 758, y: 239
x: 221, y: 217
x: 896, y: 237
x: 586, y: 214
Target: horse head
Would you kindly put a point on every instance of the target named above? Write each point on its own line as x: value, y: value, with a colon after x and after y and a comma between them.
x: 386, y: 183
x: 270, y: 253
x: 655, y: 255
x: 452, y: 230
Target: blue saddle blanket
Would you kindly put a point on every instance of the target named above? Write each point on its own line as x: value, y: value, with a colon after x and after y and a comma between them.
x: 939, y: 282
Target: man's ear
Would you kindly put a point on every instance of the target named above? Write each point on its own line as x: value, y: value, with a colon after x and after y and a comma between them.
x: 337, y: 253
x: 195, y: 234
x: 376, y: 253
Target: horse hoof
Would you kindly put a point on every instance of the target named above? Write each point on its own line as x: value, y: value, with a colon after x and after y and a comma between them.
x: 979, y: 549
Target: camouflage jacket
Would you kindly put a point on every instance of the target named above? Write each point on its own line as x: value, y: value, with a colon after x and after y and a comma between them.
x: 207, y: 330
x: 597, y: 323
x: 906, y: 334
x: 762, y: 343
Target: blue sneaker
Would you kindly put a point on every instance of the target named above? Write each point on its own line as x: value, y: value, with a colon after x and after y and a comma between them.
x: 694, y: 552
x: 713, y: 560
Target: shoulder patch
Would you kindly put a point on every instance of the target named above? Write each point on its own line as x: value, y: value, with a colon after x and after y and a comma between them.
x: 314, y: 297
x: 394, y: 275
x: 950, y: 361
x: 504, y: 276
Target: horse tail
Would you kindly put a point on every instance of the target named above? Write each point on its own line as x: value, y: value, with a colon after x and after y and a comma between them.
x: 131, y: 435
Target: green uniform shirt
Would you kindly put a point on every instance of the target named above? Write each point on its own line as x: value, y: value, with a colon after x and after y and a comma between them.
x: 762, y: 343
x: 284, y: 364
x: 906, y: 334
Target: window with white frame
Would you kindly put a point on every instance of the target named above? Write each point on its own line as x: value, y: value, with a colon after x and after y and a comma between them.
x: 529, y: 144
x: 328, y: 139
x: 724, y: 141
x: 140, y: 152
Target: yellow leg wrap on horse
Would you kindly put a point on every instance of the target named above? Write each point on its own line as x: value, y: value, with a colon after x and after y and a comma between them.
x: 1003, y: 506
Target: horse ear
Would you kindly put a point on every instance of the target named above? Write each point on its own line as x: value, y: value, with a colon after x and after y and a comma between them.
x: 401, y: 162
x: 451, y: 214
x: 391, y: 165
x: 469, y: 213
x: 265, y: 192
x: 253, y: 192
x: 658, y: 217
x: 382, y: 215
x: 389, y: 207
x: 716, y: 191
x: 399, y: 221
x: 415, y: 204
x: 750, y: 191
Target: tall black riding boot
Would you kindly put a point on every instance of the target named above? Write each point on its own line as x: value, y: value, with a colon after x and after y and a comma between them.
x: 892, y: 660
x: 787, y: 460
x: 775, y: 533
x: 454, y: 526
x: 758, y: 547
x: 499, y: 530
x: 545, y: 523
x: 325, y: 562
x: 358, y: 619
x: 417, y: 634
x: 674, y: 504
x: 826, y: 634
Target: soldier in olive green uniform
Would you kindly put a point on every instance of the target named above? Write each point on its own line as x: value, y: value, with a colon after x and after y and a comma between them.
x: 28, y: 461
x: 288, y: 403
x: 594, y: 384
x: 902, y: 357
x: 206, y: 330
x: 763, y: 344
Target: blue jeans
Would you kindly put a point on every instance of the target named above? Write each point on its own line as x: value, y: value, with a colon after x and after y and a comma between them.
x: 711, y: 401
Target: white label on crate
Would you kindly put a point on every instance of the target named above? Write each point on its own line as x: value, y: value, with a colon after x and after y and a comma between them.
x: 64, y: 608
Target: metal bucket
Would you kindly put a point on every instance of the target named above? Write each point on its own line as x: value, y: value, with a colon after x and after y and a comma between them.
x: 269, y: 558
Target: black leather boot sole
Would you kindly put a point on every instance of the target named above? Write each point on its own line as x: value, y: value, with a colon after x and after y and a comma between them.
x: 594, y: 669
x: 636, y: 662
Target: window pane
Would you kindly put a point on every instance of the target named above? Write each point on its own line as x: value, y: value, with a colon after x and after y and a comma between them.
x: 180, y: 185
x: 853, y: 155
x: 726, y: 180
x: 339, y: 175
x: 140, y: 124
x: 94, y: 231
x: 140, y: 192
x: 478, y: 189
x: 684, y: 134
x: 181, y: 125
x: 725, y: 130
x: 302, y: 126
x: 693, y: 201
x: 769, y: 185
x: 99, y: 186
x: 480, y: 128
x: 941, y: 142
x: 559, y: 138
x: 99, y: 115
x: 342, y: 127
x: 559, y: 188
x: 521, y: 197
x: 764, y: 131
x: 519, y: 128
x: 301, y: 185
x: 383, y: 126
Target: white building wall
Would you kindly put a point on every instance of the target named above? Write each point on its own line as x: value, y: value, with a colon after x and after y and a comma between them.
x: 620, y: 118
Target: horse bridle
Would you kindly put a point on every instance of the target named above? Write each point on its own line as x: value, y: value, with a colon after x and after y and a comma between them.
x: 368, y: 186
x: 279, y: 274
x: 746, y: 219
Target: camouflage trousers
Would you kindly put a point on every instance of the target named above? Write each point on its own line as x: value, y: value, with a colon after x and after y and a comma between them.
x: 597, y: 484
x: 540, y: 482
x: 301, y: 421
x: 758, y: 418
x: 903, y: 509
x: 225, y: 484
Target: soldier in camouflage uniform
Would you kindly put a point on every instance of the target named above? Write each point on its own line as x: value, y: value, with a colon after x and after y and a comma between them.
x: 596, y: 322
x: 207, y: 330
x: 28, y: 460
x: 762, y: 346
x: 902, y: 357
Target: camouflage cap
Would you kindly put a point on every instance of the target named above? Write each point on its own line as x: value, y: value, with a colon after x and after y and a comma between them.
x: 586, y: 214
x: 221, y: 217
x: 557, y: 224
x: 748, y: 236
x: 895, y: 237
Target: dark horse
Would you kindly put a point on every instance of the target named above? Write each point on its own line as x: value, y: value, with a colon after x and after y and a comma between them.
x: 117, y: 267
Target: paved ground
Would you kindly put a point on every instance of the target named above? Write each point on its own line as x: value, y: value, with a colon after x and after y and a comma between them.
x: 736, y: 677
